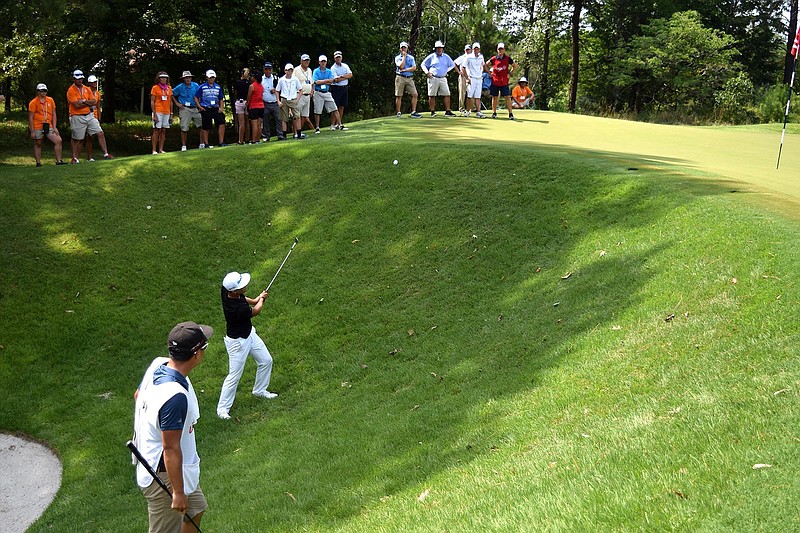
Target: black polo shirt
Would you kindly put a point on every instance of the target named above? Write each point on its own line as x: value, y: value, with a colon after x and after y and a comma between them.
x: 238, y: 316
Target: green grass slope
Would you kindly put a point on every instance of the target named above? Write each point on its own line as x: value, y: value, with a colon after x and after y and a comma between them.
x: 489, y: 336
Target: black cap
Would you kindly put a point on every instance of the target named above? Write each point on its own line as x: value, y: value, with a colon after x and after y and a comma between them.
x: 267, y: 65
x: 187, y: 338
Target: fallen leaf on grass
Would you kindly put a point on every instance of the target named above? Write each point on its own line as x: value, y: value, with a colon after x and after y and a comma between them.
x: 411, y: 332
x: 538, y: 269
x: 105, y: 395
x: 346, y: 384
x: 363, y: 366
x: 425, y: 493
x: 567, y: 275
x: 290, y: 495
x: 354, y: 241
x: 602, y: 253
x: 321, y: 300
x: 616, y: 328
x: 669, y: 317
x: 434, y: 327
x: 556, y: 304
x: 780, y: 392
x: 734, y: 281
x: 395, y: 351
x: 499, y: 318
x: 761, y: 465
x: 679, y: 494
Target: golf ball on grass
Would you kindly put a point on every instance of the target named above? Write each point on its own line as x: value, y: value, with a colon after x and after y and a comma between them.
x: 394, y: 162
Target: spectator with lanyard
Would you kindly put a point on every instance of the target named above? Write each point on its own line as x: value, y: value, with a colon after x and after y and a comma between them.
x: 82, y: 102
x: 271, y: 108
x: 405, y: 65
x: 183, y: 96
x: 502, y: 66
x: 323, y: 100
x: 210, y: 100
x: 42, y: 123
x: 522, y: 96
x: 255, y: 106
x: 305, y: 76
x: 240, y: 106
x: 161, y: 105
x: 289, y: 91
x: 339, y: 87
x: 92, y: 82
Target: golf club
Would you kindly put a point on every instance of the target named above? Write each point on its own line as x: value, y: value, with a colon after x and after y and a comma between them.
x: 280, y: 267
x: 161, y: 483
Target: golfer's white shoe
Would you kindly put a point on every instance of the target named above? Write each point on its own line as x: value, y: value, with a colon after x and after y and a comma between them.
x: 224, y: 415
x: 265, y: 394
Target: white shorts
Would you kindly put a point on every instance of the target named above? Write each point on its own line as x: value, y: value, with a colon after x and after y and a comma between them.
x: 323, y: 102
x: 162, y: 121
x: 305, y: 105
x: 83, y: 124
x: 474, y: 88
x: 438, y: 87
x: 240, y: 107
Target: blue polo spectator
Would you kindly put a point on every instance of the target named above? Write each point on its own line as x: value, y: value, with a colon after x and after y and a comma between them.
x: 210, y: 100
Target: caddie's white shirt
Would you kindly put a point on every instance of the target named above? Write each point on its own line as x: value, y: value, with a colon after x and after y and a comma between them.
x: 288, y: 87
x: 460, y: 60
x: 340, y: 70
x: 474, y: 66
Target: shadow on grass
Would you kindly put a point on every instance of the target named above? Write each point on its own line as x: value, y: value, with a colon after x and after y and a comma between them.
x: 420, y: 294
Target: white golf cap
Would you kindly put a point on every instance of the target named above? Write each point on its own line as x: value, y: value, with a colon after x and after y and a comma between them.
x: 305, y: 57
x: 438, y: 44
x: 501, y: 45
x: 476, y: 44
x: 91, y: 79
x: 233, y: 281
x: 187, y: 74
x: 523, y: 79
x: 211, y: 74
x: 323, y: 57
x: 336, y: 54
x: 78, y: 75
x: 467, y: 46
x: 288, y: 66
x: 403, y: 44
x: 41, y: 87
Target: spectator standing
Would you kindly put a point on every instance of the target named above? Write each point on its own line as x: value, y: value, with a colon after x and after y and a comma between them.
x: 92, y: 82
x: 210, y: 100
x: 255, y: 106
x: 323, y: 100
x: 42, y: 122
x: 522, y: 96
x: 271, y: 108
x: 183, y: 97
x: 405, y: 66
x: 81, y: 116
x: 289, y: 91
x: 305, y: 76
x: 161, y: 104
x: 436, y: 66
x: 340, y: 86
x: 502, y: 66
x: 473, y: 70
x: 462, y: 80
x: 240, y: 105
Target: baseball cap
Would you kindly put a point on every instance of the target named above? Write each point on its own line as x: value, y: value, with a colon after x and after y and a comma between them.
x: 476, y: 44
x: 323, y: 57
x: 267, y: 65
x: 233, y: 281
x: 41, y: 87
x: 211, y: 74
x: 501, y: 45
x: 337, y: 53
x: 187, y: 338
x: 468, y: 47
x: 78, y: 75
x: 523, y: 79
x: 187, y: 74
x: 305, y: 57
x: 288, y: 66
x: 402, y: 44
x: 438, y: 44
x: 91, y: 79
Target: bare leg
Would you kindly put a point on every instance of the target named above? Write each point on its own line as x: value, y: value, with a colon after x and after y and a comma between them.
x: 37, y: 150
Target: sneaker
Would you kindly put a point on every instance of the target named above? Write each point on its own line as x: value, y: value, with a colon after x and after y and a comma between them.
x: 38, y: 165
x: 479, y: 115
x: 494, y: 115
x: 414, y: 114
x: 281, y: 138
x: 265, y: 394
x: 91, y: 160
x: 316, y: 131
x: 224, y: 415
x: 74, y: 161
x: 60, y: 162
x: 511, y: 116
x: 155, y: 153
x: 342, y: 127
x: 449, y: 113
x: 433, y: 113
x: 202, y: 146
x: 465, y: 113
x: 223, y: 145
x: 108, y: 156
x: 399, y: 114
x: 183, y: 148
x: 333, y: 127
x: 300, y: 136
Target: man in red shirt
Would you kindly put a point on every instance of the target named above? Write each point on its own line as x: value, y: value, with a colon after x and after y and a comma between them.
x: 501, y: 66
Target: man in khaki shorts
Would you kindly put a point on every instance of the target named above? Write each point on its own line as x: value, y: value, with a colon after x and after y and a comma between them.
x: 289, y: 90
x: 436, y: 66
x: 405, y: 65
x: 81, y: 116
x: 305, y: 76
x: 323, y: 99
x: 183, y: 96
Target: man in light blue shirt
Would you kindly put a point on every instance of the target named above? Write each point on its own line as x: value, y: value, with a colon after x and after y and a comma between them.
x: 271, y: 108
x: 405, y: 65
x: 183, y: 96
x: 436, y: 66
x: 323, y: 100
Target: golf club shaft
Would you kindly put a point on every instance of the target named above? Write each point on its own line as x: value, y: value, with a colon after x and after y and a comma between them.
x: 132, y: 447
x: 284, y: 261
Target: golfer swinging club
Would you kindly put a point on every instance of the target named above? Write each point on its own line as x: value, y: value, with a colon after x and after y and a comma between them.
x: 242, y: 340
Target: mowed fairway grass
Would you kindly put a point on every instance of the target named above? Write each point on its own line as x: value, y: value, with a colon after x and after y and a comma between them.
x: 562, y: 323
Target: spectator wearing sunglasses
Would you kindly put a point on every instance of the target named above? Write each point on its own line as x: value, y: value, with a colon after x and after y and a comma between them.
x: 42, y: 123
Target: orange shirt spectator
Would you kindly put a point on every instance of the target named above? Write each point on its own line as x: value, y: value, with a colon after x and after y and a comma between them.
x: 521, y: 93
x: 162, y: 103
x: 42, y: 112
x: 75, y: 95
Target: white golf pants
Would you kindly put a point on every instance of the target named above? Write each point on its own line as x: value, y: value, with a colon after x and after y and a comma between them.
x: 238, y: 350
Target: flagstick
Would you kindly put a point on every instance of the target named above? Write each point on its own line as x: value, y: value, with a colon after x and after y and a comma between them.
x: 788, y: 103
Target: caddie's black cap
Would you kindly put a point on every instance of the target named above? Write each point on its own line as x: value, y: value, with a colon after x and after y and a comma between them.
x: 187, y: 338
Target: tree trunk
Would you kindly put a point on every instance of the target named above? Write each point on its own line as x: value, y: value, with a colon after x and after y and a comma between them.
x: 108, y: 113
x: 789, y: 61
x: 544, y: 93
x: 529, y: 54
x: 576, y: 54
x: 415, y: 23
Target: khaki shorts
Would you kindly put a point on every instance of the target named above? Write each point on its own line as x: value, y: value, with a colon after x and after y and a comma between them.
x: 289, y: 110
x: 189, y: 114
x: 323, y: 102
x: 83, y: 124
x: 404, y: 84
x: 438, y: 87
x: 305, y: 105
x: 159, y: 507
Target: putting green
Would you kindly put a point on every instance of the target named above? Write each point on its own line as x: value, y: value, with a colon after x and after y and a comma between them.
x: 748, y: 157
